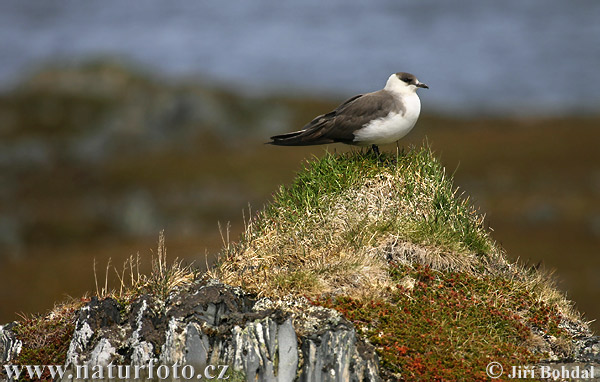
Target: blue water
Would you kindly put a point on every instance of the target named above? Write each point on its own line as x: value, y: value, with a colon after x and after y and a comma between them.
x: 478, y: 56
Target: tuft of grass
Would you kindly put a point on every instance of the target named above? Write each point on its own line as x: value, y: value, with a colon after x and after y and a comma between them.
x: 333, y: 228
x: 163, y: 278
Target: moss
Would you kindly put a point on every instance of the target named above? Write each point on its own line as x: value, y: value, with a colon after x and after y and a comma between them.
x: 450, y: 325
x: 45, y: 339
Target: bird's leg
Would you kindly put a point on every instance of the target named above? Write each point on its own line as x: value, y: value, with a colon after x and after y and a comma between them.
x: 375, y: 149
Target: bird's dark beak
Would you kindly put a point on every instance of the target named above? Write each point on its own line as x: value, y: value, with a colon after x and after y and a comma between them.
x: 422, y: 85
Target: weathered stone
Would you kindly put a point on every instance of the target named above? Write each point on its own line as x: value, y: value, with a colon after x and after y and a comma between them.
x: 214, y: 324
x: 10, y: 346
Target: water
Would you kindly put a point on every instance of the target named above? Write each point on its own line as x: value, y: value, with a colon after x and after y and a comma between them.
x: 478, y: 56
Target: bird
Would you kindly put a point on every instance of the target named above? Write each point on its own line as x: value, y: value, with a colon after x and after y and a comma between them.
x: 370, y: 119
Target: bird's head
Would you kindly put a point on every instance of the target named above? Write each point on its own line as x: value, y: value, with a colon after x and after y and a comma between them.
x: 402, y: 82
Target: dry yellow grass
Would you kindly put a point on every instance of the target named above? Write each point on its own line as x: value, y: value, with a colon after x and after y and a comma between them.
x: 335, y: 230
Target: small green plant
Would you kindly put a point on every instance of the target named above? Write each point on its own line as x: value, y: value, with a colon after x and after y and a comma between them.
x: 447, y: 326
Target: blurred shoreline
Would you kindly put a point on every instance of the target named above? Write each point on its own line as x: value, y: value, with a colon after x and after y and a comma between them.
x: 96, y: 159
x: 511, y: 57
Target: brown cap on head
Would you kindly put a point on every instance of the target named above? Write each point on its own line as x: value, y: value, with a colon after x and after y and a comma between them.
x: 410, y: 80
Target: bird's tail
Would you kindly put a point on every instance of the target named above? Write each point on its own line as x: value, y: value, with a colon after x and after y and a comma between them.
x: 299, y: 138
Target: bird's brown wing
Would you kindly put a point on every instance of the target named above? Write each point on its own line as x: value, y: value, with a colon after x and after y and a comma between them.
x: 339, y: 125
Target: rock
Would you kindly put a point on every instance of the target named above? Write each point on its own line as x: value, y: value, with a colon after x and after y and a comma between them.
x: 10, y: 346
x: 215, y: 324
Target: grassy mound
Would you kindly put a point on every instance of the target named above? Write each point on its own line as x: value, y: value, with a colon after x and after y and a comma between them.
x: 391, y: 243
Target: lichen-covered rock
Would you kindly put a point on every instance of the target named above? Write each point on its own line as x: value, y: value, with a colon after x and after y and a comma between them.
x: 10, y: 346
x: 214, y: 324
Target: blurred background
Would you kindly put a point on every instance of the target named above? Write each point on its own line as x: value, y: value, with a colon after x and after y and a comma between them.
x: 120, y: 119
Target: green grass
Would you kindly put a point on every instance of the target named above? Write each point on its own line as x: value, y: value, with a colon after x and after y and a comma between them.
x: 344, y: 212
x: 423, y: 208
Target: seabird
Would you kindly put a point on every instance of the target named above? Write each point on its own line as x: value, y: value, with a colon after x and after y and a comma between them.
x: 373, y: 119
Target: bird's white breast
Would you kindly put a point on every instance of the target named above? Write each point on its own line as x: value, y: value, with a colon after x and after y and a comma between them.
x: 392, y: 127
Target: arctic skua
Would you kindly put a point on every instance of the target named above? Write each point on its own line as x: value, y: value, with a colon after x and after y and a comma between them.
x: 370, y: 119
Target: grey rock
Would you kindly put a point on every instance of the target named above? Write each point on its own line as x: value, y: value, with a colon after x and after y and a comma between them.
x: 288, y: 352
x: 331, y: 356
x: 10, y: 346
x: 214, y: 324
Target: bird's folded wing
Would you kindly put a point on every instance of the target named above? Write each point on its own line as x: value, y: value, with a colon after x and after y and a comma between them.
x: 340, y: 124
